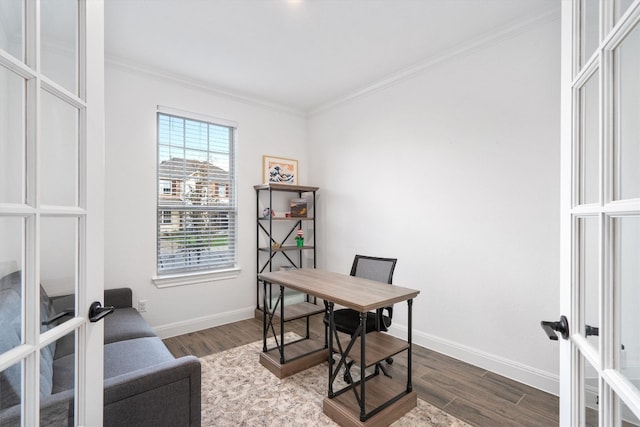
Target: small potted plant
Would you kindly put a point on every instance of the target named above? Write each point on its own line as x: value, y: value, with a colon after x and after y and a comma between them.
x: 300, y: 238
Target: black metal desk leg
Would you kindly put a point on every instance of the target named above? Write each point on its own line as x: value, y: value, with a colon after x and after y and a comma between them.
x: 409, y: 356
x: 332, y: 328
x: 281, y: 325
x: 264, y: 317
x: 327, y: 326
x: 363, y: 363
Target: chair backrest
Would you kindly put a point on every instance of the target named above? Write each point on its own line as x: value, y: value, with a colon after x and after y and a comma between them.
x: 374, y: 268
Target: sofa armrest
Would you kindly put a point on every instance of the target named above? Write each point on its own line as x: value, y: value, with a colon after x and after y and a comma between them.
x: 119, y: 298
x: 55, y: 410
x: 164, y: 394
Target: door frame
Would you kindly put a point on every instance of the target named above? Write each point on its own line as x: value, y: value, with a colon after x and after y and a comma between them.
x: 89, y: 212
x: 90, y: 392
x: 612, y: 384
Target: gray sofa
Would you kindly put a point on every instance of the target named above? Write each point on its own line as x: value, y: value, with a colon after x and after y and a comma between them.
x: 144, y: 385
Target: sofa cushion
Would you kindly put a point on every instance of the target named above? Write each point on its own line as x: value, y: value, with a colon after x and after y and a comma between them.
x: 12, y: 281
x: 11, y: 302
x: 119, y: 358
x: 10, y: 319
x: 125, y: 324
x: 11, y: 315
x: 10, y: 378
x: 122, y: 324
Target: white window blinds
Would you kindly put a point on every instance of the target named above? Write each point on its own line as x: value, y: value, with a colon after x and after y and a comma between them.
x: 196, y: 210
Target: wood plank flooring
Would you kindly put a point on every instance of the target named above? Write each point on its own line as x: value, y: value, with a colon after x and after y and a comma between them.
x: 475, y: 395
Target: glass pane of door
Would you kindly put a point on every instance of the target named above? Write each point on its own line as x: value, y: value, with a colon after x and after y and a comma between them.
x: 59, y: 268
x: 57, y: 392
x: 591, y: 400
x: 628, y: 418
x: 590, y: 17
x: 627, y: 280
x: 59, y: 152
x: 59, y: 35
x: 588, y: 146
x: 12, y: 135
x: 588, y: 272
x: 11, y: 282
x: 621, y: 7
x: 12, y: 28
x: 11, y: 394
x: 627, y: 117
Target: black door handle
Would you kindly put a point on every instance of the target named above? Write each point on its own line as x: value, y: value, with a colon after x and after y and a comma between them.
x: 551, y: 328
x: 65, y: 313
x: 595, y: 331
x: 591, y: 330
x: 97, y: 311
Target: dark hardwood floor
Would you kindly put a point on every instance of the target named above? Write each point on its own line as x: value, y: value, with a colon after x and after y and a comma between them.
x: 472, y: 394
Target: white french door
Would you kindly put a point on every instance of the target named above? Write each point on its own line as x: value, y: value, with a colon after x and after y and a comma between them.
x: 51, y: 209
x: 600, y: 225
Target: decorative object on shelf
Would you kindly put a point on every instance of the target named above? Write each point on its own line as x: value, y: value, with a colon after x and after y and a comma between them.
x: 298, y: 208
x: 266, y: 213
x: 279, y: 170
x: 300, y: 238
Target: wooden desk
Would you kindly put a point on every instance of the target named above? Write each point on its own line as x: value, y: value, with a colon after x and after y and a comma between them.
x: 377, y: 400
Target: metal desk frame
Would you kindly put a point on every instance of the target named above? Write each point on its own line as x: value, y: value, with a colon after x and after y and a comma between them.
x: 358, y: 294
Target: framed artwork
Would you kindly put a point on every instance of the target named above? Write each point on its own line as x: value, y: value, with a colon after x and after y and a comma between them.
x: 279, y: 170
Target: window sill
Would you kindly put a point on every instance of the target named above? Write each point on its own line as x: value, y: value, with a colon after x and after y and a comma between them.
x: 171, y: 280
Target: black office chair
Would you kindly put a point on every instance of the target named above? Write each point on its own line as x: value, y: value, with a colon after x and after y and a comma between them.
x: 347, y: 320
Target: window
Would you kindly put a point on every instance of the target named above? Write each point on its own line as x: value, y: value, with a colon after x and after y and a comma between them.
x: 166, y: 217
x: 196, y: 209
x: 165, y: 187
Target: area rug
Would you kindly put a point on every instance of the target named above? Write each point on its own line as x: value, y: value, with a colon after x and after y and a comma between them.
x: 238, y: 391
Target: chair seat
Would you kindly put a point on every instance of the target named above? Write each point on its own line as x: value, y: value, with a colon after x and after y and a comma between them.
x: 347, y: 321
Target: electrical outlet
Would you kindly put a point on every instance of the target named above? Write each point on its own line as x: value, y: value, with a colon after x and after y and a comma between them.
x: 142, y: 305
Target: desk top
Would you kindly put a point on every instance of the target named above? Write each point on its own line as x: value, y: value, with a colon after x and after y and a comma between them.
x: 353, y: 292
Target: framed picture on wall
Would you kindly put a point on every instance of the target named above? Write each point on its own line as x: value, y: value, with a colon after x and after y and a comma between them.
x: 279, y: 170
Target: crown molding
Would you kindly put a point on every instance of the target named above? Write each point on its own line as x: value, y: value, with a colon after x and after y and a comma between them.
x: 488, y: 39
x: 131, y: 66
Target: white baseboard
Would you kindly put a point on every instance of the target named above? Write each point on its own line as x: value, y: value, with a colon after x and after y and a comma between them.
x: 205, y: 322
x: 516, y: 371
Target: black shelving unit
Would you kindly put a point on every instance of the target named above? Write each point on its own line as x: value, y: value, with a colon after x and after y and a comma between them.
x: 279, y: 234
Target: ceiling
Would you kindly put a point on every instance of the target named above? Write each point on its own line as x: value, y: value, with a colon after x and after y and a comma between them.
x: 300, y: 54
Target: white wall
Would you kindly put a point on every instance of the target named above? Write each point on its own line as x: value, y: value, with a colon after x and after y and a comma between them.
x: 132, y: 98
x: 455, y: 171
